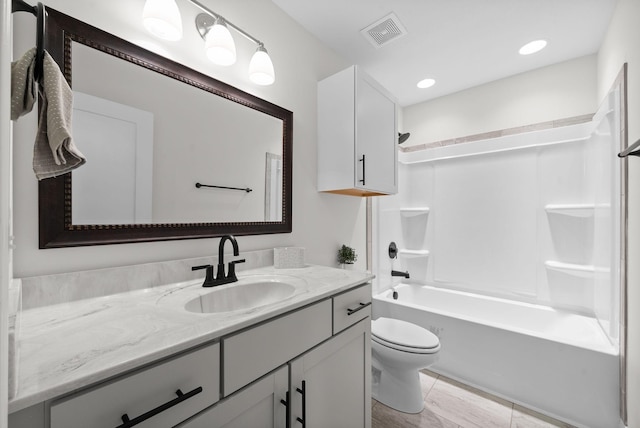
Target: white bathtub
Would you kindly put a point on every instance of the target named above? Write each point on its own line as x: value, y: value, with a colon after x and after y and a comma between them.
x: 558, y: 363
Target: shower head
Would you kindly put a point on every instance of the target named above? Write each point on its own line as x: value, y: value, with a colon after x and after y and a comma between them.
x: 403, y: 137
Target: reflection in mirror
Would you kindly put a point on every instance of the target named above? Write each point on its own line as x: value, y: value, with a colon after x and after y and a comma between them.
x: 151, y: 130
x: 273, y: 188
x: 116, y: 187
x: 196, y: 138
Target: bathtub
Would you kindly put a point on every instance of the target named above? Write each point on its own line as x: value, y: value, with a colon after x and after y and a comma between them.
x: 558, y: 363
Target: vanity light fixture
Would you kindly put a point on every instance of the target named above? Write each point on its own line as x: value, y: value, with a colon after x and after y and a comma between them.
x: 162, y: 18
x: 532, y: 47
x: 220, y: 48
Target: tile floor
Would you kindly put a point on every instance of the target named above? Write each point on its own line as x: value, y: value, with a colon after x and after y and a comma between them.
x: 451, y: 404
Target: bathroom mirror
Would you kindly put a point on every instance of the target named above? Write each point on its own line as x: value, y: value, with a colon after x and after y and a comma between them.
x: 188, y: 129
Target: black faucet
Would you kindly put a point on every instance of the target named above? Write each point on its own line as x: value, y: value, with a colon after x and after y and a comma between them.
x: 221, y: 278
x: 398, y: 273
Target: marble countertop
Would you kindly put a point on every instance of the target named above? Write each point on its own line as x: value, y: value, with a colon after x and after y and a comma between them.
x: 67, y: 346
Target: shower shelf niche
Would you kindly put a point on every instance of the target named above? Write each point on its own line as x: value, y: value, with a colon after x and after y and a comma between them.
x: 410, y: 254
x: 412, y: 212
x: 575, y: 210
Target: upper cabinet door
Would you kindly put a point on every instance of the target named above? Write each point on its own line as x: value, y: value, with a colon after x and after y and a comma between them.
x: 357, y: 136
x: 376, y: 138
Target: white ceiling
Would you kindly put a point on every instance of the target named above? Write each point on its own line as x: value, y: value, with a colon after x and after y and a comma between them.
x: 460, y: 43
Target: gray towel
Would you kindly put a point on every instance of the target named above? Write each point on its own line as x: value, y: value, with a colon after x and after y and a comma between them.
x: 54, y: 152
x: 23, y: 85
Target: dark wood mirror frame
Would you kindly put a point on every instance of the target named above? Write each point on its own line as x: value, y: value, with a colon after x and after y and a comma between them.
x: 54, y: 194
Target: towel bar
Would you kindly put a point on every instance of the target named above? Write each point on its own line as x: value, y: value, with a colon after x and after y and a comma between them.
x: 632, y: 150
x: 40, y: 12
x: 246, y: 189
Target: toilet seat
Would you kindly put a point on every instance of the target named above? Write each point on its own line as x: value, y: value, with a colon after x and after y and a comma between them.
x: 404, y: 336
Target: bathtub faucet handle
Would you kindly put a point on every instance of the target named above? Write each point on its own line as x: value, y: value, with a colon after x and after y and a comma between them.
x: 398, y: 273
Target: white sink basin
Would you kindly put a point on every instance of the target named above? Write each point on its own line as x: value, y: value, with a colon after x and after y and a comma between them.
x: 247, y: 294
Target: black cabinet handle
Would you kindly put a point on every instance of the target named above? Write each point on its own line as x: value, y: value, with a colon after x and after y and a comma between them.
x: 285, y: 402
x: 303, y: 391
x: 360, y: 307
x: 127, y: 423
x: 364, y: 166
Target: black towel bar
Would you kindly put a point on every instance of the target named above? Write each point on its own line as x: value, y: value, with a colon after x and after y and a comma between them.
x: 21, y: 6
x: 40, y: 13
x: 246, y: 189
x: 632, y: 150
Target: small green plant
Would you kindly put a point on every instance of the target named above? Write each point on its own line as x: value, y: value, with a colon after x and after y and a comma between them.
x: 347, y: 255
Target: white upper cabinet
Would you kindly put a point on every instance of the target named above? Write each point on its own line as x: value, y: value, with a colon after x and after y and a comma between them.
x: 357, y: 136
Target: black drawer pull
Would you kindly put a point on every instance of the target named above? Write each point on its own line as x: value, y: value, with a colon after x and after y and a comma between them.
x: 303, y: 391
x: 364, y: 171
x: 359, y: 308
x: 127, y: 423
x: 286, y: 406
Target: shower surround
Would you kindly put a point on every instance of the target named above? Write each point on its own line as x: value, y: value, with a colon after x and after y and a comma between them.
x: 532, y: 218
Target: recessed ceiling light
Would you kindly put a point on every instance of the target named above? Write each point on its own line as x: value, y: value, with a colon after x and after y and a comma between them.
x: 426, y: 83
x: 532, y: 47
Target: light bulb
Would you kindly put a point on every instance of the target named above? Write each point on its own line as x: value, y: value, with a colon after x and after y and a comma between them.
x: 219, y: 45
x: 532, y: 47
x: 426, y: 83
x: 162, y: 19
x: 261, y: 68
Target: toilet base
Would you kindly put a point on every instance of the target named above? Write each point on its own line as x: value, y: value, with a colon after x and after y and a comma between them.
x: 398, y: 389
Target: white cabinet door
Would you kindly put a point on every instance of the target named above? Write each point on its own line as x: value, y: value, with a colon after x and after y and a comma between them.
x: 376, y: 148
x: 331, y: 385
x: 259, y: 405
x: 357, y: 136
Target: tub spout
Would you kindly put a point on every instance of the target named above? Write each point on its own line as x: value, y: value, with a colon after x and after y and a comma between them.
x: 398, y: 273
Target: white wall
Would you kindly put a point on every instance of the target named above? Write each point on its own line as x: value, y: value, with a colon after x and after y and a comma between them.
x: 622, y: 44
x: 321, y: 222
x: 549, y: 93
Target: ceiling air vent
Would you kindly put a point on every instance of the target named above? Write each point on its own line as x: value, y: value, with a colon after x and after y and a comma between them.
x: 384, y: 30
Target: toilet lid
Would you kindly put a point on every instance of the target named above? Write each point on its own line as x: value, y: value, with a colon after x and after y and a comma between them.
x: 402, y: 333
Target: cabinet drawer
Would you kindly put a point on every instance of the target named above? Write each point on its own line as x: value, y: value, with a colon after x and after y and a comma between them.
x: 141, y: 392
x: 351, y: 306
x: 255, y: 352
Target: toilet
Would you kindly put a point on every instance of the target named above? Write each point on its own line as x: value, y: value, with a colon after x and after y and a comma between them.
x: 399, y: 350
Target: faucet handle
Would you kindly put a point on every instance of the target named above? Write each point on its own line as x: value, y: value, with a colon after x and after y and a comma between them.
x: 208, y: 279
x: 232, y: 269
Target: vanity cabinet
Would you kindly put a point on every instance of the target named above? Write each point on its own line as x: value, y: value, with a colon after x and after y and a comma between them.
x: 311, y: 364
x: 357, y: 136
x: 322, y: 354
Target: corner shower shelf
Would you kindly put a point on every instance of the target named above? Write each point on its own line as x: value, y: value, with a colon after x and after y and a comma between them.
x: 413, y: 253
x: 411, y: 212
x: 574, y: 210
x: 583, y: 271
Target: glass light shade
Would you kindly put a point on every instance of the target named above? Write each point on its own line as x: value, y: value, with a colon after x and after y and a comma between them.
x: 219, y: 45
x: 261, y: 68
x: 162, y: 19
